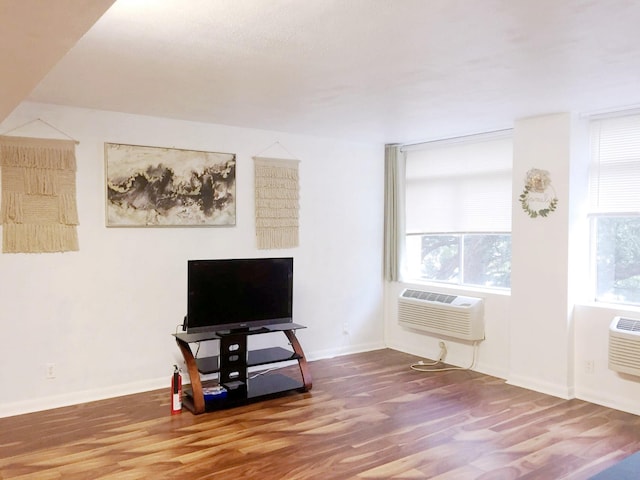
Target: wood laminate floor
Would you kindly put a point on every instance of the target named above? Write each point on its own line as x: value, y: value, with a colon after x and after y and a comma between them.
x: 368, y: 416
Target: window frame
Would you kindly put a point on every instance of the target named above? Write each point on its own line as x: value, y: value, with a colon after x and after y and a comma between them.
x: 593, y: 260
x: 462, y: 281
x: 409, y: 269
x: 612, y: 209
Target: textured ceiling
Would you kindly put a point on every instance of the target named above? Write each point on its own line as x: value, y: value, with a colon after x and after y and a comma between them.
x: 367, y: 70
x: 34, y: 35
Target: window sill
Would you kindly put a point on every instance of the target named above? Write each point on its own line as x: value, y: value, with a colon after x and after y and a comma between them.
x: 455, y: 289
x: 614, y: 307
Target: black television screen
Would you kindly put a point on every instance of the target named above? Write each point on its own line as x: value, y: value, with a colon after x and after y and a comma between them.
x: 238, y: 293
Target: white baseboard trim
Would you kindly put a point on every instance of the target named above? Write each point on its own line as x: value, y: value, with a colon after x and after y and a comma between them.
x: 343, y: 350
x: 56, y: 401
x: 458, y: 362
x: 75, y: 398
x: 561, y: 391
x: 628, y: 405
x: 491, y: 370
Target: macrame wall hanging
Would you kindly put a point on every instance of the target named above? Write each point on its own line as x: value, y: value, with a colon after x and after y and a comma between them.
x: 277, y: 202
x: 38, y: 211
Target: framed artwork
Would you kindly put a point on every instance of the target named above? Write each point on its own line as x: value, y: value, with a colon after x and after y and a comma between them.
x: 169, y: 187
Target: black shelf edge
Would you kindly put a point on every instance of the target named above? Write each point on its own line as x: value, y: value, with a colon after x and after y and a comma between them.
x: 271, y: 384
x: 268, y: 385
x: 196, y: 337
x: 279, y: 327
x: 264, y: 356
x: 207, y: 365
x: 204, y: 336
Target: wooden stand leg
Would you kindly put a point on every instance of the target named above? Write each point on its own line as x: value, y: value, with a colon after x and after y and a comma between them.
x: 197, y: 394
x: 302, y: 361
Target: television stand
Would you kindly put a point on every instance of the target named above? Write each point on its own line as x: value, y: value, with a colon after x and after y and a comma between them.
x: 233, y: 364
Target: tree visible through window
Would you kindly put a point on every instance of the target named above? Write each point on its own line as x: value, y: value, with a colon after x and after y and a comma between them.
x: 618, y: 259
x: 471, y: 259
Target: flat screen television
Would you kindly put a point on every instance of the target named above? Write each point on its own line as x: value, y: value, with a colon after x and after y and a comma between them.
x: 238, y: 294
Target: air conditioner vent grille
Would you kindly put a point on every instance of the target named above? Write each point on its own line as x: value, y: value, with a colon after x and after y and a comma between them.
x: 430, y: 296
x: 628, y: 324
x: 624, y: 345
x: 441, y: 314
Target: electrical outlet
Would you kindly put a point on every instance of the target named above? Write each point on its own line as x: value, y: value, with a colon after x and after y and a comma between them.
x: 589, y: 367
x: 50, y: 371
x: 345, y: 328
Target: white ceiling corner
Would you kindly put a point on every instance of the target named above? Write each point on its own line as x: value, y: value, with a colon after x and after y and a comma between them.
x: 375, y: 71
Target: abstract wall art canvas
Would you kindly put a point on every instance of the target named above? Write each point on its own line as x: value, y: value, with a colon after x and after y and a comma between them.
x: 155, y: 187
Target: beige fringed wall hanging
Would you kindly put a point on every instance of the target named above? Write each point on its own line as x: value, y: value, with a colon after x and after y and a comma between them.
x: 277, y: 202
x: 39, y: 212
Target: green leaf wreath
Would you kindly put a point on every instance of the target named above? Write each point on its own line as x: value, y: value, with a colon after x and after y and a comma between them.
x: 537, y: 181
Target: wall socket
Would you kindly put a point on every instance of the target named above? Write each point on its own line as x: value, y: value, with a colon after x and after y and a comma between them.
x: 589, y: 367
x: 345, y: 328
x: 50, y: 371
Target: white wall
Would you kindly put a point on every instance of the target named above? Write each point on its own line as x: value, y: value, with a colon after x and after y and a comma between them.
x: 540, y: 321
x: 104, y: 315
x: 546, y: 332
x: 594, y: 381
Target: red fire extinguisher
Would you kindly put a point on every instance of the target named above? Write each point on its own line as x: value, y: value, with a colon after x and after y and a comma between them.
x: 176, y: 391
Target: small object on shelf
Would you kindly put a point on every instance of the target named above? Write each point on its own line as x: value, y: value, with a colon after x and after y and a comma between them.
x: 214, y: 393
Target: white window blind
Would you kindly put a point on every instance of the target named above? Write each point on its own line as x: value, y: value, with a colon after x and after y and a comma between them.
x: 614, y: 185
x: 459, y: 186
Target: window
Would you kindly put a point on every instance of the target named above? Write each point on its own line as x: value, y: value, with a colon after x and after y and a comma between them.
x: 614, y: 195
x: 458, y: 211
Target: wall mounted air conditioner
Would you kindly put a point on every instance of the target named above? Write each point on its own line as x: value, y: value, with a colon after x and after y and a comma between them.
x: 440, y: 314
x: 624, y: 345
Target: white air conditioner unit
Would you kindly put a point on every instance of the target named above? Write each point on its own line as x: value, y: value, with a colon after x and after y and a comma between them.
x: 624, y: 345
x: 450, y: 315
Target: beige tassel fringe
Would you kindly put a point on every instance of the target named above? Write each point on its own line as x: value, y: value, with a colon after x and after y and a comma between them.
x: 269, y: 238
x: 41, y: 181
x: 276, y: 202
x: 12, y: 207
x: 30, y: 238
x: 38, y: 210
x: 37, y: 153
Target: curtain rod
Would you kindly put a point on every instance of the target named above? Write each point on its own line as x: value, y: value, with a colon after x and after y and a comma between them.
x: 484, y: 135
x: 608, y: 113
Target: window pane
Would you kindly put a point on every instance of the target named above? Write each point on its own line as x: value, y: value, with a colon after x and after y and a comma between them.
x: 618, y: 259
x: 441, y: 258
x: 464, y: 259
x: 487, y: 260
